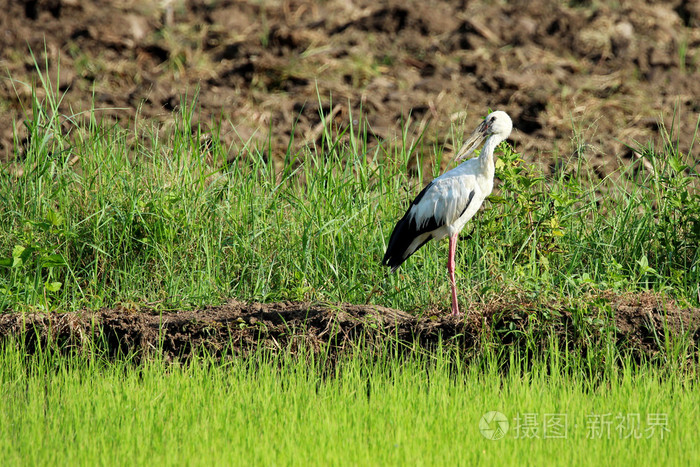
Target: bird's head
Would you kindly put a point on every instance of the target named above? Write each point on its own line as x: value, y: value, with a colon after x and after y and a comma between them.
x: 497, y: 124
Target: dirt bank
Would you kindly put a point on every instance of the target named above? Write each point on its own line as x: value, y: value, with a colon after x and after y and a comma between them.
x: 638, y: 322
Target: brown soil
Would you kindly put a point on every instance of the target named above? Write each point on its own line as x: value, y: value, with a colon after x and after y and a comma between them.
x: 639, y: 323
x: 603, y: 73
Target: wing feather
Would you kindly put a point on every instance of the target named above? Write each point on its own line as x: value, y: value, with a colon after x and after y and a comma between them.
x: 440, y: 203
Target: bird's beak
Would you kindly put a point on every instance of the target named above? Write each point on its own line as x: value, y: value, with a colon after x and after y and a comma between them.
x: 473, y: 142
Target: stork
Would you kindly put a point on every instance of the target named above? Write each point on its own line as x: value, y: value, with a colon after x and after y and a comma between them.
x: 450, y: 200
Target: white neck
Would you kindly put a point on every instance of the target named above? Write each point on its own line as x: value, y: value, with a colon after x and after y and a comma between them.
x: 486, y: 156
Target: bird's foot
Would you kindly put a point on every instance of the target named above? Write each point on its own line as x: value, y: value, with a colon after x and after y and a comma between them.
x: 456, y: 313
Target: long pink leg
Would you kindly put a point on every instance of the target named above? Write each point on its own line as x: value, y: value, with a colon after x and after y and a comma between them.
x: 451, y: 270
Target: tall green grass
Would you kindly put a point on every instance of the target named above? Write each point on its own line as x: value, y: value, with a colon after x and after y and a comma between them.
x: 366, y: 409
x: 105, y: 214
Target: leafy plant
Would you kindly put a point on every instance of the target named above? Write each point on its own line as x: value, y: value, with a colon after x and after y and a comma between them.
x: 31, y: 274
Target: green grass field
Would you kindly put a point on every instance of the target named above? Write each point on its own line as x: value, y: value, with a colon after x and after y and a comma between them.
x: 94, y: 215
x: 364, y: 411
x: 105, y: 215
